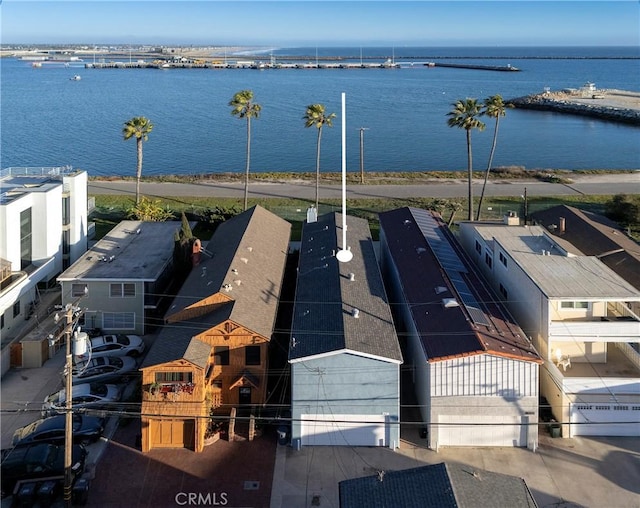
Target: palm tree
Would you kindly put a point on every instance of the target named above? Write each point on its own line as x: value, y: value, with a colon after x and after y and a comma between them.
x: 243, y: 107
x: 494, y: 107
x: 465, y: 116
x: 316, y: 116
x: 138, y: 127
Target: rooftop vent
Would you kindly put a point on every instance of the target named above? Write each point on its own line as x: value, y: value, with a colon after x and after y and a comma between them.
x: 352, y: 277
x: 244, y: 260
x: 448, y: 303
x: 227, y: 287
x: 234, y: 271
x: 440, y: 289
x: 355, y: 313
x: 421, y: 250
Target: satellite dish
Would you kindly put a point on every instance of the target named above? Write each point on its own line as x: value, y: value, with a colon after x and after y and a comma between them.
x: 344, y: 255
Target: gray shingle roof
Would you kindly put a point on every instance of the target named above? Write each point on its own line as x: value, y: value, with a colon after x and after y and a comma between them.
x: 436, y: 486
x: 329, y: 292
x: 245, y: 261
x: 249, y: 253
x: 176, y: 342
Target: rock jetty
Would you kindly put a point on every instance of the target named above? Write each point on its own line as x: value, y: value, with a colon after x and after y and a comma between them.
x: 613, y: 105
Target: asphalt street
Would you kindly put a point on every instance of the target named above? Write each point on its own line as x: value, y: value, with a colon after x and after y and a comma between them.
x: 600, y: 184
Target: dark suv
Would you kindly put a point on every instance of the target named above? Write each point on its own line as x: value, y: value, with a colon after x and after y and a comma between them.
x: 34, y: 461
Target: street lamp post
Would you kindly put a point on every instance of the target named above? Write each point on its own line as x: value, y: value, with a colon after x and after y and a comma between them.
x: 362, y: 129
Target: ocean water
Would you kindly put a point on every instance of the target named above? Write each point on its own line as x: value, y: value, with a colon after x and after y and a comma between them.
x: 49, y: 120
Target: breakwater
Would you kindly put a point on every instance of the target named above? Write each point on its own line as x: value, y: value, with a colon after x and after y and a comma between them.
x: 611, y: 105
x: 501, y: 68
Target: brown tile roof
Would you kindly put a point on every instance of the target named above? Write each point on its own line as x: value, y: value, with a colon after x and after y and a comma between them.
x: 436, y: 271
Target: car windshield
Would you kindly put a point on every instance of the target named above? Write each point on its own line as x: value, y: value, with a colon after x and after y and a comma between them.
x: 99, y: 389
x: 123, y: 339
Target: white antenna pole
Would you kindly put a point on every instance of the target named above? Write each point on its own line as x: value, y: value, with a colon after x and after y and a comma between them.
x: 344, y: 255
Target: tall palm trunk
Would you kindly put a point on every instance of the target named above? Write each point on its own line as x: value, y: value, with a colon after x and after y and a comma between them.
x: 246, y: 177
x: 486, y: 173
x: 470, y: 174
x: 138, y: 169
x: 318, y: 167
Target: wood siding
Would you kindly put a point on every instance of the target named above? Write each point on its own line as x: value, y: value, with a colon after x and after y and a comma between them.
x: 176, y: 402
x: 237, y: 338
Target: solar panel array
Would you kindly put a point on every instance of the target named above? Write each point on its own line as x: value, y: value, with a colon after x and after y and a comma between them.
x: 450, y: 262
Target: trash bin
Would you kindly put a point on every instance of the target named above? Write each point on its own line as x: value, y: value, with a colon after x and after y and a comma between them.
x: 27, y: 494
x: 47, y: 493
x: 80, y: 492
x: 554, y: 429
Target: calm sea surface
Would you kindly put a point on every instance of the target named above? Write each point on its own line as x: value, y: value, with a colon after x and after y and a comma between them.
x: 49, y: 120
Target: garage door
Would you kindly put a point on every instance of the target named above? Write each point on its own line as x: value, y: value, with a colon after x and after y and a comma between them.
x: 605, y: 420
x: 476, y: 430
x: 343, y: 430
x: 172, y: 433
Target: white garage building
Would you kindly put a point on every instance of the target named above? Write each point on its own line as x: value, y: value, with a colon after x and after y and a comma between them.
x: 475, y: 372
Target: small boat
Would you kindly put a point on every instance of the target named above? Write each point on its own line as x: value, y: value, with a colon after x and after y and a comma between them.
x: 75, y: 78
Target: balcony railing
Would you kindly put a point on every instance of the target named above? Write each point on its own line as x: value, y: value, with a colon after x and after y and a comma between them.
x: 615, y: 330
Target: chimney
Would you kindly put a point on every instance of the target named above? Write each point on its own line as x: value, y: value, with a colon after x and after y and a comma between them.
x: 562, y: 224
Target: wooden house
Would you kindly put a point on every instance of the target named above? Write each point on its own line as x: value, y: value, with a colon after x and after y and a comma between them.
x: 212, y: 353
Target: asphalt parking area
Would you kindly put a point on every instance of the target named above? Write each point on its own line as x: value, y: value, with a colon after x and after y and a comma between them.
x: 232, y: 474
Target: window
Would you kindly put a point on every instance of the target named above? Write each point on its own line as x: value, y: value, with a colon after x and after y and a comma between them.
x: 574, y: 305
x: 503, y: 259
x: 25, y: 238
x: 488, y: 259
x: 16, y: 309
x: 503, y: 292
x: 66, y: 211
x: 252, y: 355
x: 122, y: 290
x: 2, y: 321
x: 478, y: 247
x: 119, y: 320
x: 66, y: 242
x: 174, y: 377
x: 78, y: 290
x: 222, y: 354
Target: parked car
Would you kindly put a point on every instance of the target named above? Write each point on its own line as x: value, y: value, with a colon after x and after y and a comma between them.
x: 113, y: 345
x: 86, y: 430
x: 103, y: 368
x: 85, y: 395
x: 38, y: 460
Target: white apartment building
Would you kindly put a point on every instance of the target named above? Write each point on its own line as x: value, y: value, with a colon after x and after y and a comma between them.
x: 43, y: 230
x: 582, y: 318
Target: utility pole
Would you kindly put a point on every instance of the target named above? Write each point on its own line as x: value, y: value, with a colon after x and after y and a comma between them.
x: 362, y: 129
x: 72, y: 313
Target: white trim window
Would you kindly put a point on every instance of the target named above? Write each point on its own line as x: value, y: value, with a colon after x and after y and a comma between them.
x: 577, y: 305
x: 122, y: 290
x: 119, y: 320
x: 78, y: 290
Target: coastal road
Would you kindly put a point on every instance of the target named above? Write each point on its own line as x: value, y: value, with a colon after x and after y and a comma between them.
x: 600, y: 184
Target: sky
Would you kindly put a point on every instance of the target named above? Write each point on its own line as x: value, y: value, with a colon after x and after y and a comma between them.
x: 322, y: 23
